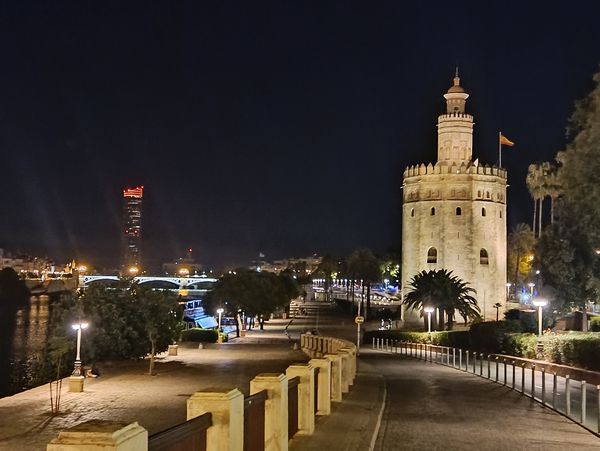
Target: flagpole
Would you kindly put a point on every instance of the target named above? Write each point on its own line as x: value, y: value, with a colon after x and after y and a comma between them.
x: 500, y: 149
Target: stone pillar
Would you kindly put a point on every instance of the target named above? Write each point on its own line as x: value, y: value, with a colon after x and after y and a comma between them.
x: 173, y: 349
x: 227, y: 409
x: 336, y: 376
x: 324, y: 378
x: 303, y: 341
x: 345, y: 369
x: 306, y: 396
x: 76, y: 384
x: 100, y: 435
x: 276, y: 409
x: 351, y: 364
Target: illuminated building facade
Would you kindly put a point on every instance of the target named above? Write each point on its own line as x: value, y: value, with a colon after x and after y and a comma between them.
x: 454, y: 212
x: 132, y: 228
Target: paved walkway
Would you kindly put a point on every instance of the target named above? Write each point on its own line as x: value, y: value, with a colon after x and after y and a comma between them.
x: 125, y: 392
x: 396, y: 402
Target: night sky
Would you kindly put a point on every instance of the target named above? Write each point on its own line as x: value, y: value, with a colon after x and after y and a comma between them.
x: 277, y: 127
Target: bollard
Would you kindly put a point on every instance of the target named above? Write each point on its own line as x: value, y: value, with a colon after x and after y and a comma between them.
x: 522, y: 378
x: 583, y: 402
x: 430, y: 354
x: 488, y: 360
x: 543, y: 386
x: 504, y: 362
x: 460, y: 359
x: 554, y: 391
x: 454, y: 357
x: 481, y: 364
x: 467, y: 361
x: 474, y: 363
x: 568, y: 394
x: 373, y: 342
x: 513, y: 376
x: 532, y: 381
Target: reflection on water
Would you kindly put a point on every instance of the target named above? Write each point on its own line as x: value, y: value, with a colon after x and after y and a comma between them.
x: 28, y: 344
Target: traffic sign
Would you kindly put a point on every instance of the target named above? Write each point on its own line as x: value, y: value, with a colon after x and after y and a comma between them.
x: 359, y: 319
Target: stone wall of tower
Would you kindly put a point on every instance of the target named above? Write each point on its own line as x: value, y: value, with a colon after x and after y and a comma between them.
x: 479, y: 194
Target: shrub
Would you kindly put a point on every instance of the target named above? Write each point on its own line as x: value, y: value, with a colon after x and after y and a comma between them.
x: 453, y: 338
x: 519, y: 345
x: 200, y: 335
x: 579, y: 349
x: 487, y: 335
x: 595, y: 324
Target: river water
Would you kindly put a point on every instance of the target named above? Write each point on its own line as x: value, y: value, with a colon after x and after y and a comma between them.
x: 25, y: 349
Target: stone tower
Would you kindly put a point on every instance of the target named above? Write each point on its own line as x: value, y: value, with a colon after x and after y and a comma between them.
x: 454, y: 212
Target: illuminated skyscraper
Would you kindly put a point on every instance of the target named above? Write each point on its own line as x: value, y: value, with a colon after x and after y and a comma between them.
x: 132, y: 229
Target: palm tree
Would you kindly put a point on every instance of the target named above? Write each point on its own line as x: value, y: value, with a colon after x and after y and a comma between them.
x: 363, y: 265
x: 326, y: 269
x: 445, y: 292
x: 534, y: 184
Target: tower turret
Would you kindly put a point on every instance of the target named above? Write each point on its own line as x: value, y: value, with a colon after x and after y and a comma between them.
x: 455, y: 128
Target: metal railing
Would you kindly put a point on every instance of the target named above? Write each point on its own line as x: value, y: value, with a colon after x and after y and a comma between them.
x: 564, y: 389
x: 254, y: 421
x: 188, y: 435
x: 293, y: 406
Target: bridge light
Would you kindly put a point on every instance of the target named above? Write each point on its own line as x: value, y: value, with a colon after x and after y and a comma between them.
x: 82, y: 268
x: 184, y: 272
x: 133, y: 270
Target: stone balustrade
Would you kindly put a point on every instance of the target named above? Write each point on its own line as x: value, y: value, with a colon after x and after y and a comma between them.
x: 334, y: 358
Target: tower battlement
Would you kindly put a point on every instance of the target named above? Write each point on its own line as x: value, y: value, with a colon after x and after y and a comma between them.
x: 441, y: 168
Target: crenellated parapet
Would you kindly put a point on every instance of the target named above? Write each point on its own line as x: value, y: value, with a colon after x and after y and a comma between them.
x: 466, y: 116
x: 442, y: 168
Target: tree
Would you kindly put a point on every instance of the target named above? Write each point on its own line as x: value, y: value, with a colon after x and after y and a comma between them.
x: 363, y: 265
x: 443, y: 291
x: 326, y: 269
x: 256, y: 293
x: 161, y: 319
x: 534, y: 185
x: 568, y: 255
x: 521, y: 243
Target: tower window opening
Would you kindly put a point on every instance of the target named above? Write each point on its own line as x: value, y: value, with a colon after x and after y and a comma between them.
x: 458, y: 211
x: 483, y: 212
x: 412, y: 211
x: 483, y: 257
x: 478, y: 193
x: 487, y: 194
x: 432, y: 255
x: 432, y: 211
x: 500, y: 214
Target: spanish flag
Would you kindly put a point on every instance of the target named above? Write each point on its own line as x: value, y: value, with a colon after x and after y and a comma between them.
x: 504, y: 141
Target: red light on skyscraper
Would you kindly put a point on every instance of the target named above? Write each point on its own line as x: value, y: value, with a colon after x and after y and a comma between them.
x: 138, y: 191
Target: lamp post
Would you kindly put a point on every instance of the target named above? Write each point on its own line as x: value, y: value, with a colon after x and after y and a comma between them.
x: 508, y: 285
x: 220, y: 312
x: 429, y: 311
x: 78, y: 327
x: 539, y: 303
x: 531, y: 285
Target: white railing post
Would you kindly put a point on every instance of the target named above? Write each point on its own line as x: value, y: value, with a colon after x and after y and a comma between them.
x: 568, y: 394
x: 583, y: 402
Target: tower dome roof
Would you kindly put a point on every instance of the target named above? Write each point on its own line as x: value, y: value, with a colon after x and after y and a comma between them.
x: 456, y: 87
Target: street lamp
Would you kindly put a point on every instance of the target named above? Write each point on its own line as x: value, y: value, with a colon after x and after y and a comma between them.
x: 220, y: 312
x: 531, y: 285
x: 539, y: 303
x: 508, y: 285
x: 429, y: 311
x: 78, y: 327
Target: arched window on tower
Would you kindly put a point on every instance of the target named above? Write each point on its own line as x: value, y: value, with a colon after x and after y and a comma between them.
x: 487, y: 194
x: 412, y: 211
x: 432, y: 211
x: 458, y: 211
x: 432, y: 255
x: 483, y: 257
x: 483, y: 212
